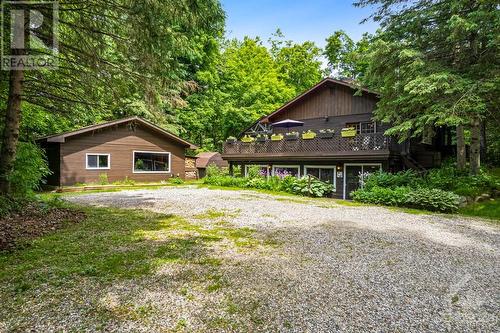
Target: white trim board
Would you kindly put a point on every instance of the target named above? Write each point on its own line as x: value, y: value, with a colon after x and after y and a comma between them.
x: 356, y: 164
x: 152, y: 152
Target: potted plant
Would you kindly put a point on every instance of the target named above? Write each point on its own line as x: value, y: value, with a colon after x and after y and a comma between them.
x: 261, y: 138
x: 231, y: 139
x: 277, y: 137
x: 247, y: 139
x: 348, y: 132
x: 326, y: 133
x: 292, y: 135
x: 308, y: 135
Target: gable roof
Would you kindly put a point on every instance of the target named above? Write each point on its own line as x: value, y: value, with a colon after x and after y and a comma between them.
x: 319, y: 85
x: 62, y: 136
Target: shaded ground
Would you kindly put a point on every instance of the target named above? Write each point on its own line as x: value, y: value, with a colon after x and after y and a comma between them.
x: 212, y: 260
x: 33, y: 221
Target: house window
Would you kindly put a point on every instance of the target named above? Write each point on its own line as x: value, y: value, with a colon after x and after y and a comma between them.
x: 263, y: 170
x: 363, y: 127
x: 97, y: 161
x: 151, y: 162
x: 286, y: 170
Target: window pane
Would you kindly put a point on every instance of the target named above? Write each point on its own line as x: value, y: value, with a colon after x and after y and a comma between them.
x: 367, y: 127
x: 285, y: 171
x: 103, y: 161
x: 92, y: 161
x: 152, y: 162
x: 313, y: 172
x: 327, y: 175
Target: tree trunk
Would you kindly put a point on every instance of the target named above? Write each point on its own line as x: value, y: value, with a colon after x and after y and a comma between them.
x: 10, y: 134
x: 460, y: 148
x: 475, y: 147
x: 484, y: 145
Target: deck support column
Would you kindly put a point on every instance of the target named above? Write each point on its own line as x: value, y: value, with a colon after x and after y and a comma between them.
x: 231, y: 171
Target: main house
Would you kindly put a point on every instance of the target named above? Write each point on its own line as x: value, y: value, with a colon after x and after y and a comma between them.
x: 329, y: 132
x: 130, y: 148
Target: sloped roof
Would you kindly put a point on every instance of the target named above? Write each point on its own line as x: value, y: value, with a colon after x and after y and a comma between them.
x: 62, y: 136
x: 206, y: 158
x: 319, y: 85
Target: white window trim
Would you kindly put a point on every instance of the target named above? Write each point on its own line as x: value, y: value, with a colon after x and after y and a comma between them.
x: 259, y: 165
x: 152, y: 152
x: 287, y: 166
x: 97, y: 168
x: 334, y: 167
x: 356, y: 164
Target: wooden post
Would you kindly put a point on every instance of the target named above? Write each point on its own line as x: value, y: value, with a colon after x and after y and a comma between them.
x: 231, y: 168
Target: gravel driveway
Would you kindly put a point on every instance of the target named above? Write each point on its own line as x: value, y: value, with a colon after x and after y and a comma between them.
x: 335, y: 267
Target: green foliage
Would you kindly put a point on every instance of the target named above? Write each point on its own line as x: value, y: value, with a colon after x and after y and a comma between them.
x: 125, y: 181
x: 311, y: 187
x: 439, y: 63
x: 488, y: 209
x: 103, y: 179
x: 290, y: 184
x: 392, y: 180
x: 345, y: 57
x: 253, y: 171
x: 438, y: 190
x: 30, y: 167
x: 382, y: 196
x: 214, y: 171
x: 176, y: 180
x: 421, y: 198
x: 11, y: 204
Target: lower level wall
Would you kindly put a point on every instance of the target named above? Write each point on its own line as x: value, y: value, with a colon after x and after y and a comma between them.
x: 339, y: 167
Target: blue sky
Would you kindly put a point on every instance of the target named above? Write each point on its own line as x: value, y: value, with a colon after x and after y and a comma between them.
x: 299, y: 21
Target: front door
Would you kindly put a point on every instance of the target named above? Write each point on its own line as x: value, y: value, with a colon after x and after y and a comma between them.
x: 355, y: 175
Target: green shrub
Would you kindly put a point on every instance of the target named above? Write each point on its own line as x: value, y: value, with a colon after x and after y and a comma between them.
x: 421, y: 198
x: 11, y: 204
x: 253, y: 171
x: 433, y: 199
x: 30, y: 167
x: 392, y: 180
x: 125, y: 181
x: 311, y: 187
x: 214, y: 170
x: 103, y: 179
x: 382, y: 196
x: 315, y: 188
x: 176, y: 181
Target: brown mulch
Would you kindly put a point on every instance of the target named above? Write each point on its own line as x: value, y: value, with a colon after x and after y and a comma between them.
x: 34, y: 221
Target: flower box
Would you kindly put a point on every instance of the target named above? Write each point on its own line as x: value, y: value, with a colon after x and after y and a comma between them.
x: 276, y: 137
x: 261, y: 138
x: 326, y: 134
x: 309, y: 135
x: 247, y: 139
x: 292, y: 136
x: 349, y: 132
x: 231, y: 140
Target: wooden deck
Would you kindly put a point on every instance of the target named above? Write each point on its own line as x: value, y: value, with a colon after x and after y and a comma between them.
x: 363, y: 146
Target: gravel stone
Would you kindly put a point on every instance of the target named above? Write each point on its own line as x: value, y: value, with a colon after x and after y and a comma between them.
x: 328, y: 268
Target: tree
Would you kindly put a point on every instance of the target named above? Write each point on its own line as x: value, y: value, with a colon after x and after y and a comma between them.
x: 241, y: 86
x: 299, y: 65
x: 113, y: 57
x: 345, y: 57
x: 436, y: 64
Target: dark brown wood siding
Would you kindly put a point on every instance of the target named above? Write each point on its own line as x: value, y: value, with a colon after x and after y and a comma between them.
x: 329, y: 101
x: 119, y: 142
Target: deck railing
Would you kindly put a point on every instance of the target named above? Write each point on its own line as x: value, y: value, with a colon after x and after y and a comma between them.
x: 336, y: 144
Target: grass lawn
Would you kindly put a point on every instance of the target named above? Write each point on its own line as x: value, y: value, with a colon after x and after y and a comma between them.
x: 69, y: 273
x: 489, y: 209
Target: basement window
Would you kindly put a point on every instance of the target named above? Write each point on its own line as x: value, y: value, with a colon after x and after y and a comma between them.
x: 97, y: 161
x: 151, y: 162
